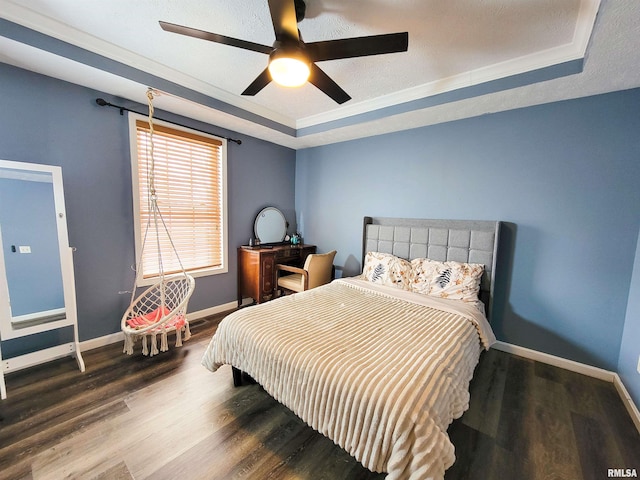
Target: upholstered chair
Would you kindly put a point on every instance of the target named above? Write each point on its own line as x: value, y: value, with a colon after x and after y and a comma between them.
x: 317, y: 270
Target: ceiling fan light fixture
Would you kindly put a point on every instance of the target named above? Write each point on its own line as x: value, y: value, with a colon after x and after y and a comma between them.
x: 289, y: 67
x: 292, y: 62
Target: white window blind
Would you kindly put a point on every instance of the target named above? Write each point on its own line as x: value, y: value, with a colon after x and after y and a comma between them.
x: 189, y: 181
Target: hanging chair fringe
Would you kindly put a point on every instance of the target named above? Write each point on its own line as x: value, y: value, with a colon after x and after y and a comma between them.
x: 154, y: 344
x: 182, y: 334
x: 128, y: 344
x: 164, y: 346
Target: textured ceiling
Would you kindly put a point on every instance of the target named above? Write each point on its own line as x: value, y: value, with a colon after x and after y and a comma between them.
x: 465, y: 58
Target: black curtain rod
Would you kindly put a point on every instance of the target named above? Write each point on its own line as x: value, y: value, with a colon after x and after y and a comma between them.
x: 103, y: 103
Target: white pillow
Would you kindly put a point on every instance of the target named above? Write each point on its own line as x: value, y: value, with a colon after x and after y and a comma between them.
x: 387, y: 269
x: 453, y: 280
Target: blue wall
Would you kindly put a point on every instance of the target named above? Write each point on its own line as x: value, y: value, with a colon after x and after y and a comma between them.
x: 630, y: 348
x: 564, y: 177
x: 43, y: 120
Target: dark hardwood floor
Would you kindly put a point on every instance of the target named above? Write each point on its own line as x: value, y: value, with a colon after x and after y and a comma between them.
x: 168, y: 417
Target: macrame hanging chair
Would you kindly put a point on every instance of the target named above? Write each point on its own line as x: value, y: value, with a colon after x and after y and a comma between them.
x: 161, y: 308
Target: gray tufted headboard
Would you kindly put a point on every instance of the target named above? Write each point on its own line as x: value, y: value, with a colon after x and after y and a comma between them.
x: 469, y: 241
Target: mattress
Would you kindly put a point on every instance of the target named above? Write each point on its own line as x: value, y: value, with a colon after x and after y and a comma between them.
x: 380, y: 371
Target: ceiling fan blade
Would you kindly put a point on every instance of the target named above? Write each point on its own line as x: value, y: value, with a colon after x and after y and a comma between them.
x: 283, y: 16
x: 214, y: 37
x: 357, y: 47
x: 259, y: 83
x: 328, y: 86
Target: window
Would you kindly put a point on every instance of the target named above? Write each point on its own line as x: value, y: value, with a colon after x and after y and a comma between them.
x: 190, y: 184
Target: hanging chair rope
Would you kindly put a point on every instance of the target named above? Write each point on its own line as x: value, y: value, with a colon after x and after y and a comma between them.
x: 161, y: 308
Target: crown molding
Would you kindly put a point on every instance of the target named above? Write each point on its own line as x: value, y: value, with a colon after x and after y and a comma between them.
x: 54, y: 29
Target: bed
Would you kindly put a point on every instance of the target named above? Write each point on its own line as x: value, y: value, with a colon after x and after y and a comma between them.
x: 379, y: 363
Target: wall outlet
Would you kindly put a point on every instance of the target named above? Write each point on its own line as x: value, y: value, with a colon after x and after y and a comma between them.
x: 25, y: 249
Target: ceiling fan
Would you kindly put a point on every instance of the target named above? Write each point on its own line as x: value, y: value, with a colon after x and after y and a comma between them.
x: 292, y: 61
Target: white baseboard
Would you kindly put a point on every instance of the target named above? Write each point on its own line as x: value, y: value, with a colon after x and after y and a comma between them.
x: 555, y: 361
x: 101, y: 341
x: 627, y: 400
x: 119, y: 336
x: 207, y: 312
x: 577, y: 367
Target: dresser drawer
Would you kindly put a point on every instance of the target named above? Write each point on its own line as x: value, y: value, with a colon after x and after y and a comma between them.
x: 287, y: 255
x: 267, y: 267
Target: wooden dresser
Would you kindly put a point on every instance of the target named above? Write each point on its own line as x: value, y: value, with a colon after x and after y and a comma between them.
x: 257, y: 268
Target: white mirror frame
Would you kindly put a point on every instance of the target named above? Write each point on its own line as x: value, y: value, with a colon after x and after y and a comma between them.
x: 7, y: 331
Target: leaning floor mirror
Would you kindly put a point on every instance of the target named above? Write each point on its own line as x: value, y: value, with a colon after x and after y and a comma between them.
x: 37, y: 287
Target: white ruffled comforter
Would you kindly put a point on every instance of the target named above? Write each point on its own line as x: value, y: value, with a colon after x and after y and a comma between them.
x: 380, y: 371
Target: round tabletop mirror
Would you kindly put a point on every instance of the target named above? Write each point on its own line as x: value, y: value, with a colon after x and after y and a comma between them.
x: 270, y: 225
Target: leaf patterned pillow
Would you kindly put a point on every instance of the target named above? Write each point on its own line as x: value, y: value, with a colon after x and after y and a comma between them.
x: 453, y: 280
x: 387, y: 269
